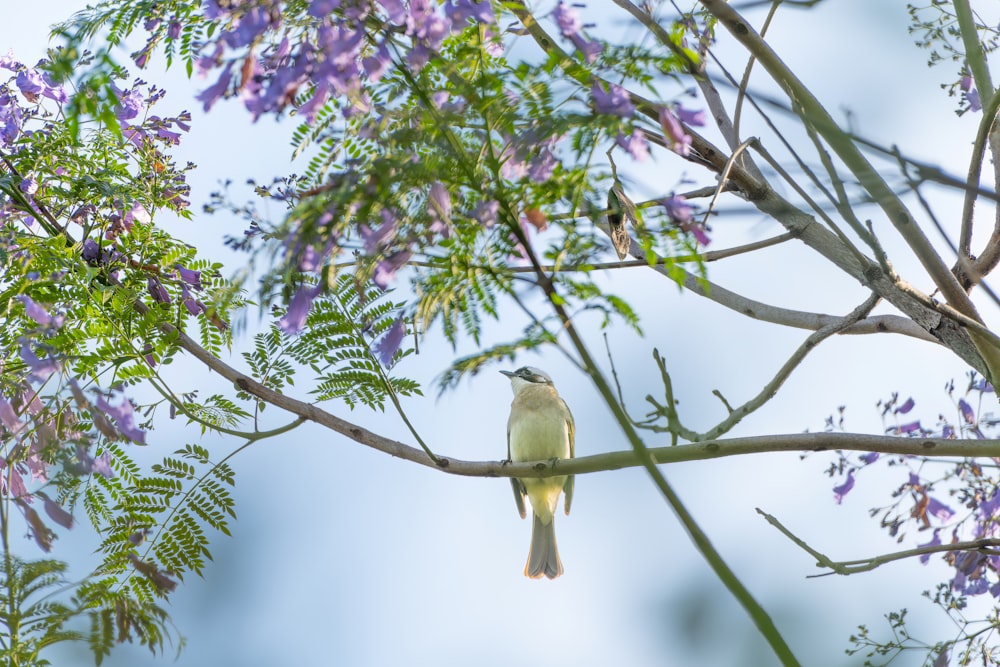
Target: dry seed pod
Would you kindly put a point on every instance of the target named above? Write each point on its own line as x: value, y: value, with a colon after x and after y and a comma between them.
x: 621, y: 210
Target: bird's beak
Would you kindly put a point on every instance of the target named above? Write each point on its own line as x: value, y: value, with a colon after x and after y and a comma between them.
x: 509, y: 374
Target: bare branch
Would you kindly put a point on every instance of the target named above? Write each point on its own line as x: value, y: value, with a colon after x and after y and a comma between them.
x: 988, y: 546
x: 771, y: 388
x: 709, y: 449
x: 798, y: 319
x: 840, y: 142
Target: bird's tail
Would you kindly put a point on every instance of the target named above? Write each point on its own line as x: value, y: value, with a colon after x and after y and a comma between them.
x: 543, y: 556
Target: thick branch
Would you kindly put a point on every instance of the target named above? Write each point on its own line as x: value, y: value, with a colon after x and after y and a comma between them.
x: 587, y: 464
x: 814, y: 113
x: 788, y: 317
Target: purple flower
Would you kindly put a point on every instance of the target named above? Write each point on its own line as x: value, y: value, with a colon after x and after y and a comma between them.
x: 140, y: 58
x: 57, y: 513
x: 29, y: 185
x: 39, y: 531
x: 691, y: 117
x: 843, y: 489
x: 385, y: 270
x: 157, y: 290
x: 541, y: 168
x: 33, y: 84
x: 935, y: 541
x: 968, y: 414
x: 41, y: 369
x: 215, y: 92
x: 124, y: 416
x: 320, y: 8
x: 439, y: 98
x: 147, y: 354
x: 10, y: 119
x: 905, y: 407
x: 375, y: 239
x: 513, y: 164
x: 492, y: 43
x: 590, y: 49
x: 439, y: 201
x: 975, y: 103
x: 980, y: 385
x: 250, y: 25
x: 137, y: 213
x: 8, y: 417
x: 567, y: 18
x: 486, y: 212
x: 568, y: 21
x: 193, y: 306
x: 7, y: 62
x: 376, y: 65
x: 130, y: 104
x: 298, y: 309
x: 677, y: 208
x: 938, y: 509
x: 388, y: 345
x: 92, y: 253
x: 672, y: 127
x: 635, y: 144
x: 426, y: 24
x: 908, y: 429
x: 869, y: 458
x: 460, y: 11
x: 395, y: 10
x: 86, y: 464
x: 615, y: 101
x: 39, y: 314
x: 192, y: 278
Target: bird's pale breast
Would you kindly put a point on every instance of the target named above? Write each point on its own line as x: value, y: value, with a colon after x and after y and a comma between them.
x: 540, y: 430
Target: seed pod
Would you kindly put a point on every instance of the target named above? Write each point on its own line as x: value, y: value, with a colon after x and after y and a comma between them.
x: 621, y: 210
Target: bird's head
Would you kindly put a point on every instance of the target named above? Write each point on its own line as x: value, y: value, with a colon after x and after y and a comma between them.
x: 527, y: 376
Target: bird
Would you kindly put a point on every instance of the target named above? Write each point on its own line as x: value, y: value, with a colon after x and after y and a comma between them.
x: 540, y: 427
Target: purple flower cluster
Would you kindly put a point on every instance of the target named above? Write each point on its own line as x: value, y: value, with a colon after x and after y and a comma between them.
x: 614, y: 101
x: 672, y: 120
x: 35, y: 437
x: 975, y: 572
x: 269, y: 64
x: 681, y: 214
x: 388, y: 345
x: 33, y: 84
x: 971, y: 94
x: 567, y: 18
x: 530, y: 155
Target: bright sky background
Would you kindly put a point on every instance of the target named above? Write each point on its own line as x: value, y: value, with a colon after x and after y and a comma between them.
x: 344, y: 556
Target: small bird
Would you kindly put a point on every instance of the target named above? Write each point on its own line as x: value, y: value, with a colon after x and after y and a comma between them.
x: 540, y: 427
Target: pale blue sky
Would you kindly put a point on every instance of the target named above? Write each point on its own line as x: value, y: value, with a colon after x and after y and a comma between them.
x: 344, y: 556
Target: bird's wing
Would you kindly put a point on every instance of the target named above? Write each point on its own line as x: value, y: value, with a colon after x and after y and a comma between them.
x: 515, y: 483
x: 519, y: 493
x: 571, y: 479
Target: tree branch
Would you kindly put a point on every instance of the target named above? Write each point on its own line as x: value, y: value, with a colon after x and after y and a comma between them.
x: 867, y: 564
x: 814, y: 113
x: 709, y: 449
x: 771, y: 388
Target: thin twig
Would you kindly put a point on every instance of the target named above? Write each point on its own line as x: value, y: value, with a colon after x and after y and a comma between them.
x: 771, y: 387
x: 986, y: 546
